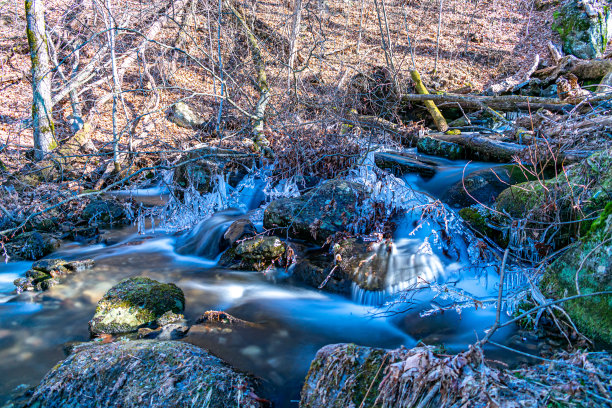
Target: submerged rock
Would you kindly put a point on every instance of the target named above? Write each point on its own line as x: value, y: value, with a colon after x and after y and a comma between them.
x: 585, y: 27
x: 314, y: 271
x: 587, y: 263
x: 134, y: 303
x: 49, y: 272
x: 144, y: 373
x: 318, y: 214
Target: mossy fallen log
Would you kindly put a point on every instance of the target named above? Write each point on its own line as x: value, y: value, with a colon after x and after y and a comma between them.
x: 433, y: 110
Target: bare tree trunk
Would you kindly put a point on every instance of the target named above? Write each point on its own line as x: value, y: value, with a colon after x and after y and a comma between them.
x: 260, y: 67
x: 110, y: 26
x: 295, y: 32
x: 42, y: 120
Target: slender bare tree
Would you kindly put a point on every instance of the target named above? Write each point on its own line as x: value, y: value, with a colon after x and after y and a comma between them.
x: 42, y: 120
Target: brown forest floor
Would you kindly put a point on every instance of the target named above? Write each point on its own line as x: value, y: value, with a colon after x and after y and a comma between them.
x: 479, y: 41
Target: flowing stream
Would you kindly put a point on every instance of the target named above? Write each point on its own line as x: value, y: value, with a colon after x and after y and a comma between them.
x: 293, y: 320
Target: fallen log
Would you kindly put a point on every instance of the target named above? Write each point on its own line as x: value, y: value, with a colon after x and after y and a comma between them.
x: 477, y: 146
x: 594, y: 69
x: 504, y: 102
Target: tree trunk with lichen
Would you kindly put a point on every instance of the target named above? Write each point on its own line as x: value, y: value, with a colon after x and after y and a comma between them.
x: 42, y: 119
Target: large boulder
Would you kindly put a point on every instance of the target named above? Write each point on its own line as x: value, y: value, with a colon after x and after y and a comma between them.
x: 588, y: 265
x: 318, y: 214
x: 134, y: 303
x: 585, y: 27
x: 575, y: 196
x: 143, y: 373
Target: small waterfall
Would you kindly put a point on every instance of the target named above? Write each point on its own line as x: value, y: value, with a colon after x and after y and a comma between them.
x: 396, y: 267
x: 205, y: 239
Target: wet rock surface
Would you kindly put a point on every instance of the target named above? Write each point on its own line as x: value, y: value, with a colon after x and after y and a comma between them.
x: 434, y: 147
x: 239, y: 230
x: 135, y: 303
x: 483, y: 186
x: 258, y: 253
x: 316, y: 215
x: 143, y: 373
x: 50, y: 272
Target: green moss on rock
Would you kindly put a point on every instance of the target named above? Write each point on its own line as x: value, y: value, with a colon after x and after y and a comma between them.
x: 591, y: 259
x: 575, y: 195
x: 134, y: 303
x: 318, y: 214
x: 585, y: 31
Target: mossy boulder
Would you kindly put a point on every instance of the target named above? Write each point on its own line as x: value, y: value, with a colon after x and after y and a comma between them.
x: 134, y: 303
x: 591, y: 259
x: 318, y: 214
x: 143, y: 373
x: 585, y: 27
x: 483, y: 221
x: 573, y: 197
